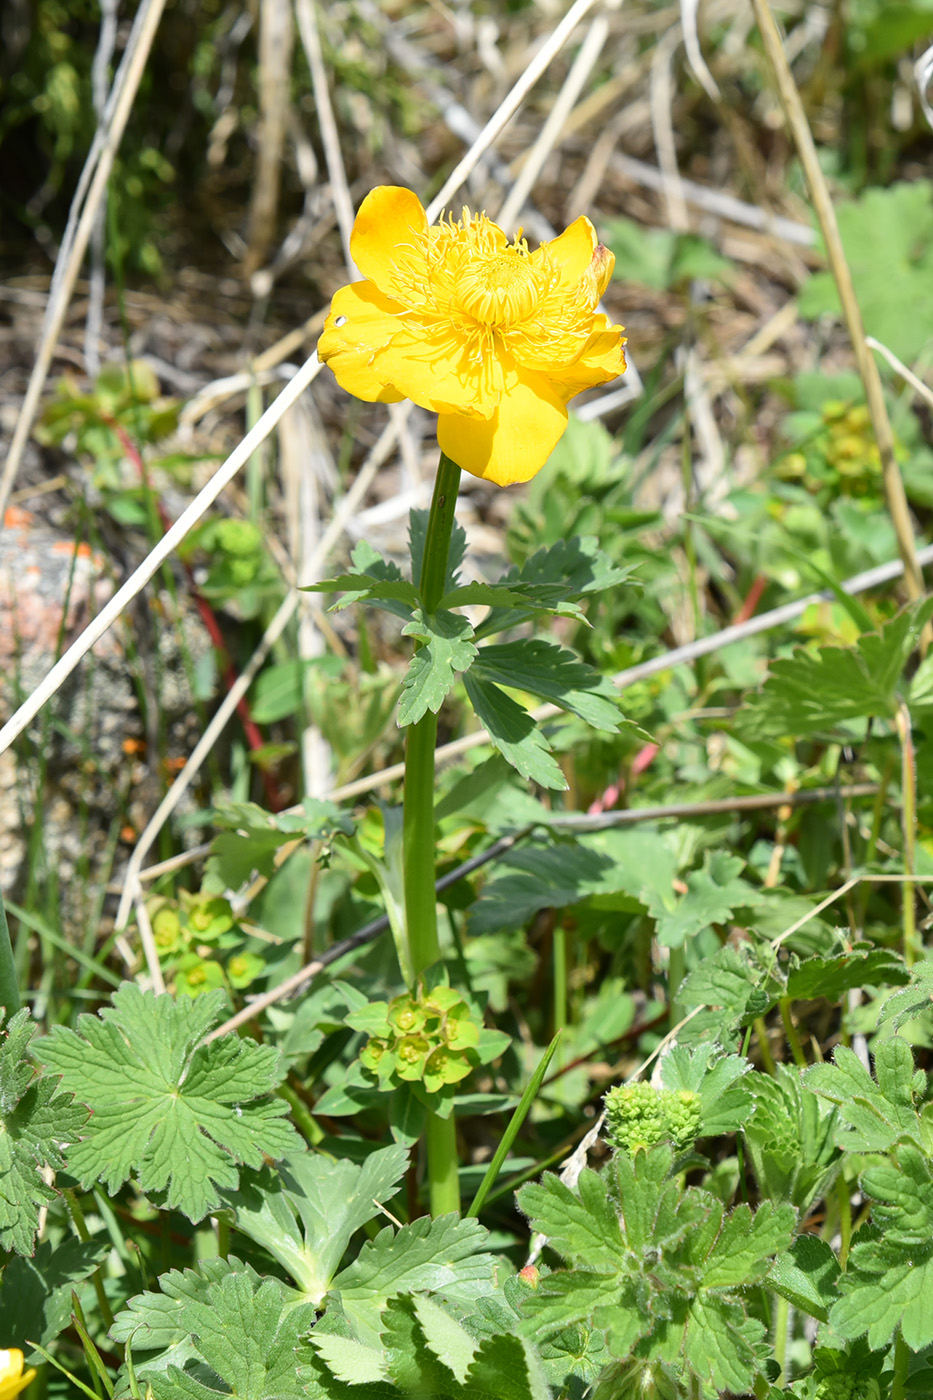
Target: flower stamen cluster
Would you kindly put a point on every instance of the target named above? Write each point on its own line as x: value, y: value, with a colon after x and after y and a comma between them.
x: 492, y: 336
x: 638, y: 1117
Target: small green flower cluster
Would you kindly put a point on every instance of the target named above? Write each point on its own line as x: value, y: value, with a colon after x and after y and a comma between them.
x: 427, y: 1037
x: 638, y: 1116
x: 192, y: 934
x: 845, y: 1385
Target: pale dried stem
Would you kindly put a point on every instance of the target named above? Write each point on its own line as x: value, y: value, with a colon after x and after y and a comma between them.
x: 343, y: 513
x: 662, y: 124
x: 306, y: 14
x: 509, y: 106
x: 553, y: 128
x: 158, y: 554
x: 867, y: 368
x: 80, y: 225
x: 908, y: 376
x: 147, y: 938
x: 276, y: 40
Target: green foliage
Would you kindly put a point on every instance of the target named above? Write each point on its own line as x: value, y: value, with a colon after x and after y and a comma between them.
x: 660, y: 258
x: 179, y: 1114
x: 790, y: 1138
x: 659, y: 1269
x: 217, y: 1331
x: 808, y: 692
x: 37, y: 1123
x: 894, y: 289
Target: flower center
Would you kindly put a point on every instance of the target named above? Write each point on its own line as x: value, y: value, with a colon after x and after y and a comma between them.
x: 497, y: 289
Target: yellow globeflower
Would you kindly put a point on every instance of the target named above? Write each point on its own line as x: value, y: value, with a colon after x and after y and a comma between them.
x: 491, y: 336
x: 12, y: 1379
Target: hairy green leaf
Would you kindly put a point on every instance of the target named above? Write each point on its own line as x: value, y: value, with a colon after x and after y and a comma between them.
x: 807, y: 1275
x: 37, y: 1123
x: 180, y: 1114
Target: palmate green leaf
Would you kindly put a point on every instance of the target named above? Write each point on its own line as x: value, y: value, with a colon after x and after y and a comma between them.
x: 446, y: 648
x: 895, y: 292
x: 553, y: 673
x: 179, y: 1114
x: 810, y: 692
x: 863, y: 965
x: 889, y: 1277
x: 234, y: 1333
x: 307, y: 1212
x: 445, y: 1254
x: 872, y: 1116
x: 713, y: 894
x: 37, y: 1123
x: 515, y: 734
x: 657, y: 1266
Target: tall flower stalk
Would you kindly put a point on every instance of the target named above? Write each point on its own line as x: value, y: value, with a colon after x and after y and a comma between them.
x: 418, y: 830
x: 495, y: 338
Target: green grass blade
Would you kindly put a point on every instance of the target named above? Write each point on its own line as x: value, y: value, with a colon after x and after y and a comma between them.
x: 9, y: 989
x: 511, y: 1132
x: 39, y: 926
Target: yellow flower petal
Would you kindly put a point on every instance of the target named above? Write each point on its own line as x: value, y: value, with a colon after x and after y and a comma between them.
x: 389, y: 237
x: 572, y: 252
x: 361, y: 322
x: 492, y: 337
x: 12, y: 1379
x: 602, y: 359
x: 514, y: 444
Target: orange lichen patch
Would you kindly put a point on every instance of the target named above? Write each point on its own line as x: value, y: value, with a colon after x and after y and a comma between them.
x: 14, y: 517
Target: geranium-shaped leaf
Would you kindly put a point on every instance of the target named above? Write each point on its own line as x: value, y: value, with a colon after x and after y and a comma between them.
x: 36, y: 1124
x: 895, y: 292
x: 809, y: 692
x: 179, y: 1114
x: 446, y: 648
x: 872, y: 1116
x: 233, y: 1333
x: 443, y: 1255
x: 713, y: 893
x: 889, y: 1279
x: 656, y: 1266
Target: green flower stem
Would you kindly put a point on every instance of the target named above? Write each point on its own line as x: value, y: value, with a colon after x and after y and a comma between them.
x: 901, y: 1368
x: 84, y: 1234
x: 676, y: 972
x: 790, y: 1030
x: 9, y: 987
x: 418, y: 832
x: 781, y: 1321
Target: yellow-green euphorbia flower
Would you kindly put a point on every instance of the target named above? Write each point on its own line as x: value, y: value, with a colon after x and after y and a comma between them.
x: 491, y: 336
x: 12, y: 1377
